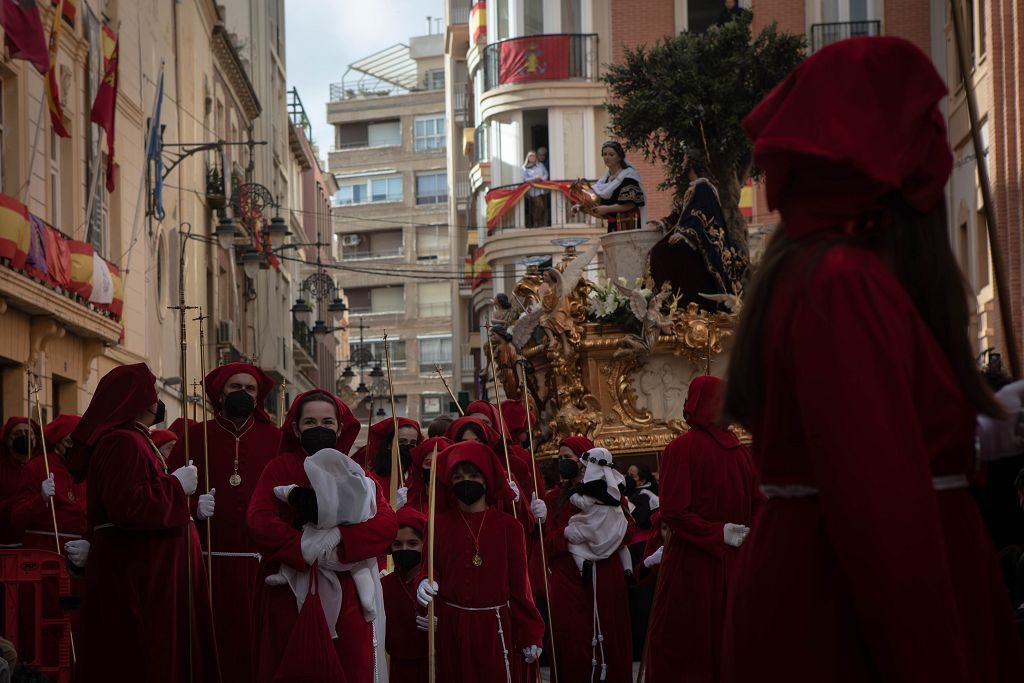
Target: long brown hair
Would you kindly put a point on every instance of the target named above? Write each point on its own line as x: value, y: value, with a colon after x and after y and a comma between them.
x: 916, y: 245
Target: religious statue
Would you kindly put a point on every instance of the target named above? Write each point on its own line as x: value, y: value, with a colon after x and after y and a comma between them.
x: 653, y: 316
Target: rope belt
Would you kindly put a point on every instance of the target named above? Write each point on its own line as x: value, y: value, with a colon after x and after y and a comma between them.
x: 597, y: 640
x: 947, y: 482
x: 501, y: 630
x: 108, y: 525
x: 10, y: 545
x: 50, y: 533
x: 218, y: 553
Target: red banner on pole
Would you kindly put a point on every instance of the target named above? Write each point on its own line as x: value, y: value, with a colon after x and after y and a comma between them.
x: 535, y: 58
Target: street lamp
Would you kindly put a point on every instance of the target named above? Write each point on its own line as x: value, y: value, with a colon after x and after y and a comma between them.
x: 251, y: 262
x: 226, y: 231
x: 277, y: 231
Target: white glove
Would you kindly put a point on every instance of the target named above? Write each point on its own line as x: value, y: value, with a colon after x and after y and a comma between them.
x: 78, y: 552
x: 426, y: 592
x: 515, y: 489
x: 531, y: 654
x: 539, y: 509
x: 281, y: 492
x: 574, y: 535
x: 734, y: 534
x: 49, y: 489
x: 654, y: 558
x: 188, y: 476
x: 421, y: 622
x: 329, y: 547
x: 401, y: 497
x: 206, y: 505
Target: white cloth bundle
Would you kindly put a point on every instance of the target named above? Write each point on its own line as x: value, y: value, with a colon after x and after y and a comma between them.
x: 599, y: 529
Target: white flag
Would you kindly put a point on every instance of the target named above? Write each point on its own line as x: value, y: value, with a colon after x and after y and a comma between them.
x: 102, y: 282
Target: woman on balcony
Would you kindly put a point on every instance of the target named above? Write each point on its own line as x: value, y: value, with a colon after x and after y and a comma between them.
x: 620, y: 192
x: 534, y: 170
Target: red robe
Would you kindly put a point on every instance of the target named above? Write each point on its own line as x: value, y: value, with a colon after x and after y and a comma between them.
x: 234, y: 574
x: 136, y: 615
x: 707, y: 480
x: 31, y: 516
x: 406, y: 645
x: 572, y: 606
x: 879, y: 576
x: 11, y: 470
x: 274, y: 609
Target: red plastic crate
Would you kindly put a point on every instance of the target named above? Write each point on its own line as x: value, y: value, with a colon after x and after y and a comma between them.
x: 31, y: 585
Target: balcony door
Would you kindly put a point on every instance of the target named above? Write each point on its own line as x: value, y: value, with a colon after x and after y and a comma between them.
x: 836, y: 11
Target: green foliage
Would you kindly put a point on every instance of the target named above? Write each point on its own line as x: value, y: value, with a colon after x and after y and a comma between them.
x: 695, y: 88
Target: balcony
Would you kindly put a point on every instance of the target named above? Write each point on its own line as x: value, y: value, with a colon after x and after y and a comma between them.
x: 480, y: 151
x: 826, y: 34
x: 303, y: 346
x: 462, y: 189
x: 552, y: 209
x: 548, y: 57
x: 458, y: 12
x: 368, y: 255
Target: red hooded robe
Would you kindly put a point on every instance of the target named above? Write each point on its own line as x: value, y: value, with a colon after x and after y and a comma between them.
x: 11, y: 470
x: 406, y: 644
x: 136, y: 617
x: 419, y: 494
x: 572, y: 600
x: 470, y: 643
x: 270, y: 523
x: 708, y: 479
x: 235, y: 559
x: 884, y: 574
x: 377, y: 437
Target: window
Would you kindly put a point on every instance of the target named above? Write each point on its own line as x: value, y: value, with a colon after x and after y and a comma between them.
x: 533, y: 17
x: 432, y: 406
x: 435, y: 351
x: 371, y: 300
x: 396, y: 347
x: 376, y: 190
x: 386, y: 189
x: 384, y: 134
x: 572, y: 16
x: 432, y: 243
x: 380, y: 244
x: 429, y: 132
x: 55, y: 214
x: 434, y: 299
x: 432, y: 188
x: 435, y: 79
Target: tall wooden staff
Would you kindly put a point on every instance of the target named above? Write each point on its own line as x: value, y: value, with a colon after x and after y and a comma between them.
x: 206, y: 454
x: 540, y: 524
x: 497, y: 402
x: 440, y: 374
x: 998, y: 266
x: 281, y: 402
x: 431, y: 630
x: 34, y: 388
x: 182, y: 309
x: 396, y: 456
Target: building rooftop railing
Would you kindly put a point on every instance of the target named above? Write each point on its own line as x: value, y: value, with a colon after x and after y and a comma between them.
x: 297, y: 113
x: 833, y: 32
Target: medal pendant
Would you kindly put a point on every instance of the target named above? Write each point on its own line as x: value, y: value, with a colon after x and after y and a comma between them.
x: 477, y: 560
x: 234, y: 479
x: 71, y: 495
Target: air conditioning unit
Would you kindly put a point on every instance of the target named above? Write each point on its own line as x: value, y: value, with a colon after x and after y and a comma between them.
x: 226, y: 332
x: 351, y: 240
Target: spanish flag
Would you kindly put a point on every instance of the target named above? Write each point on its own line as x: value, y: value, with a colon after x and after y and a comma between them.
x: 69, y: 12
x: 747, y: 199
x: 480, y: 269
x: 15, y: 234
x: 52, y: 89
x: 23, y: 33
x: 478, y: 22
x: 104, y: 108
x: 81, y: 268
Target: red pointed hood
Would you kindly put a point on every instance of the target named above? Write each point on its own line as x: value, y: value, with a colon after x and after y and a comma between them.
x: 414, y: 519
x: 346, y: 436
x: 381, y: 432
x: 418, y: 487
x: 515, y: 418
x: 486, y: 460
x: 162, y: 436
x: 10, y: 425
x: 703, y: 407
x: 218, y: 377
x: 578, y: 444
x: 60, y: 427
x: 178, y: 427
x: 487, y: 434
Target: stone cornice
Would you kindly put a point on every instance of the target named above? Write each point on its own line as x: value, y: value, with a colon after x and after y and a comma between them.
x: 234, y: 71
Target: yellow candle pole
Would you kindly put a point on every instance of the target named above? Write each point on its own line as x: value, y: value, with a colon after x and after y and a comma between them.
x: 431, y: 508
x: 497, y: 403
x: 34, y: 389
x: 206, y: 454
x: 440, y: 373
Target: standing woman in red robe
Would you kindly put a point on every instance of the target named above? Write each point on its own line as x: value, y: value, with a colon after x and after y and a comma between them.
x: 406, y: 640
x: 19, y: 443
x: 709, y: 491
x: 317, y: 419
x: 137, y: 622
x: 488, y: 627
x: 574, y: 607
x: 853, y: 371
x: 378, y: 451
x: 242, y: 439
x: 419, y: 473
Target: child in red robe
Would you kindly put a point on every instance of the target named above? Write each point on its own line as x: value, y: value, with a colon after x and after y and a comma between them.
x: 19, y: 443
x: 488, y: 626
x: 419, y: 474
x: 406, y: 640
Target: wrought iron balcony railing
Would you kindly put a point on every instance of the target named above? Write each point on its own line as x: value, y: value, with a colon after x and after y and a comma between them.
x: 546, y: 57
x: 826, y: 34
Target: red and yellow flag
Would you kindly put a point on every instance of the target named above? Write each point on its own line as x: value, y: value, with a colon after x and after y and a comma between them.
x: 68, y: 12
x: 479, y: 268
x: 478, y: 22
x: 501, y: 200
x: 23, y: 33
x: 15, y: 234
x: 52, y: 89
x: 104, y: 108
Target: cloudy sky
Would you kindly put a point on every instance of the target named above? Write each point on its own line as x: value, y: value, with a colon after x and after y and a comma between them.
x: 322, y: 37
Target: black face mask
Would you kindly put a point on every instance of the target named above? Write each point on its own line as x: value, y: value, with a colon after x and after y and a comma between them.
x: 19, y: 444
x: 630, y: 486
x: 161, y: 412
x: 405, y: 558
x: 568, y: 469
x: 405, y: 454
x: 426, y: 475
x: 239, y: 405
x: 317, y: 438
x: 468, y: 492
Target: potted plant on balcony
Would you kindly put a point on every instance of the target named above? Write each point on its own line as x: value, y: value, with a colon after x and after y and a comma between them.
x: 215, y: 197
